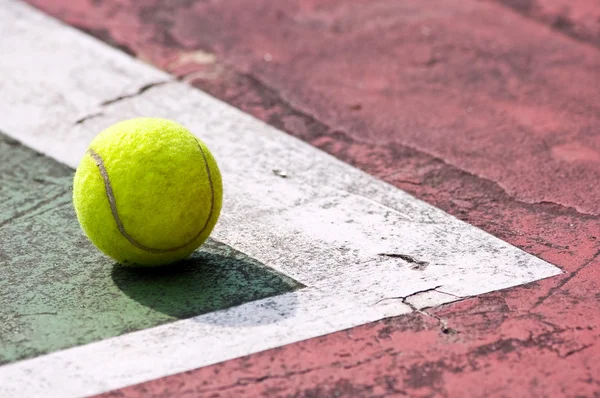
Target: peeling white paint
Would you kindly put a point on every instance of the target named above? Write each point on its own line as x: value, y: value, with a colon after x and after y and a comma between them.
x: 429, y: 299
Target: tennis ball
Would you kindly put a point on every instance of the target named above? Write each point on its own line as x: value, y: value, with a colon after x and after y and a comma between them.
x: 147, y: 192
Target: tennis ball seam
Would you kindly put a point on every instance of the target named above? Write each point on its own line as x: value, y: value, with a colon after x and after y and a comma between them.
x: 113, y: 204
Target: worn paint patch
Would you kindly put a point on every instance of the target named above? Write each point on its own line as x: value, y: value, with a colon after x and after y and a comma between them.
x: 58, y: 291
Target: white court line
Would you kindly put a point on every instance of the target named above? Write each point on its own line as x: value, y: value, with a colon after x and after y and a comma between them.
x: 325, y: 225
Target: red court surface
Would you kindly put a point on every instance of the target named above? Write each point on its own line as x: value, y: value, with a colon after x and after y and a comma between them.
x: 487, y: 110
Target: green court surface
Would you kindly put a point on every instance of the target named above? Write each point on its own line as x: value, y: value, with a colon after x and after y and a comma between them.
x: 57, y: 291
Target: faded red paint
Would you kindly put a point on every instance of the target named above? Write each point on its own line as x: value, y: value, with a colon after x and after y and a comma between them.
x: 454, y: 81
x: 467, y: 105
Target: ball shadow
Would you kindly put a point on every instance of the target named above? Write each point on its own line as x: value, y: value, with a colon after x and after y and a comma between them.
x: 216, y: 277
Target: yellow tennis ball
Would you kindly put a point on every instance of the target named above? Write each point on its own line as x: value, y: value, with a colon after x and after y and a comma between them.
x: 147, y: 192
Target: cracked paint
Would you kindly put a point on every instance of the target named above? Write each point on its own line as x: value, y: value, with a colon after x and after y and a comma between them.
x: 418, y: 265
x: 84, y: 118
x: 138, y: 92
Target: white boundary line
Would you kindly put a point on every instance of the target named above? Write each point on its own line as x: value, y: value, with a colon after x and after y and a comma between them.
x: 325, y: 225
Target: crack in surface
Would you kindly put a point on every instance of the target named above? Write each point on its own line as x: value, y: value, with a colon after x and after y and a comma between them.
x: 563, y: 282
x: 569, y: 353
x: 542, y: 341
x: 454, y: 295
x: 139, y: 92
x: 251, y: 380
x: 404, y: 298
x: 418, y: 265
x: 35, y: 314
x: 87, y: 117
x: 444, y: 328
x: 443, y: 324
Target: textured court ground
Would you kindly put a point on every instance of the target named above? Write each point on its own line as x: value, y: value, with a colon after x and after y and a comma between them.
x: 411, y: 198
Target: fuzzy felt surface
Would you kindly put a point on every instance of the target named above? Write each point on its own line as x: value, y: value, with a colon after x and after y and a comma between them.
x: 147, y: 192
